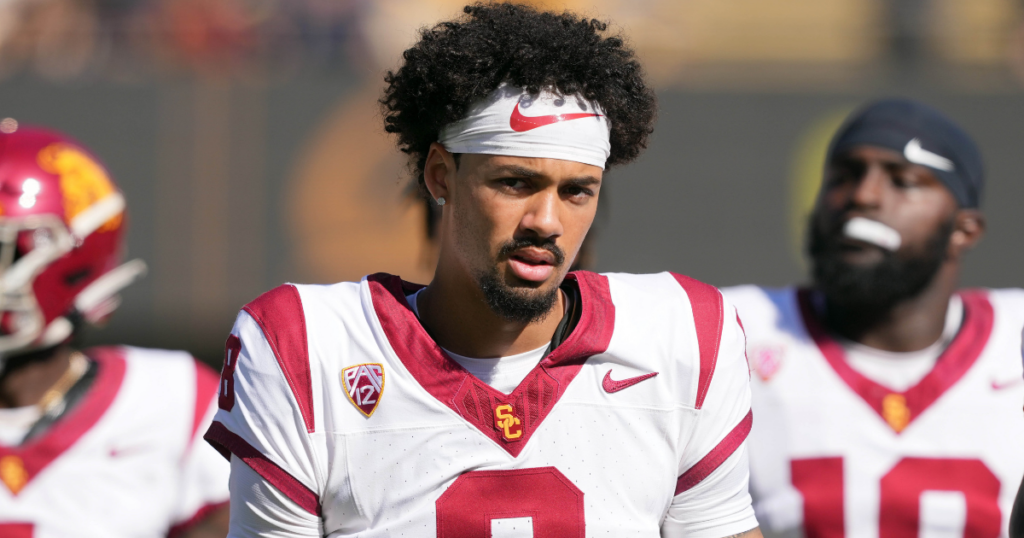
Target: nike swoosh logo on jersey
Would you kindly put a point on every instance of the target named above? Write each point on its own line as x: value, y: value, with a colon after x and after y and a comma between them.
x: 520, y: 123
x: 918, y: 155
x: 610, y: 385
x: 997, y: 385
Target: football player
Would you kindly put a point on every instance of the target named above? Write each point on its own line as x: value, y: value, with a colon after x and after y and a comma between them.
x: 94, y: 442
x: 507, y: 397
x: 888, y: 399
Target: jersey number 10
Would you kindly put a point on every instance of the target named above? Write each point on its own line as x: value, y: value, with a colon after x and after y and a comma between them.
x: 820, y: 481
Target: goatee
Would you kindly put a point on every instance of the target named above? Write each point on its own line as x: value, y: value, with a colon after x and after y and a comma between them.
x: 519, y: 304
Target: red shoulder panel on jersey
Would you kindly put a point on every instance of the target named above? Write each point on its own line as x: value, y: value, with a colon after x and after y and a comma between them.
x: 712, y: 460
x: 207, y: 383
x: 283, y: 322
x: 38, y: 453
x: 708, y: 318
x: 226, y: 441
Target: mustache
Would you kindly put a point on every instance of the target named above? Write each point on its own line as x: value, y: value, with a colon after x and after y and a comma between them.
x: 515, y: 244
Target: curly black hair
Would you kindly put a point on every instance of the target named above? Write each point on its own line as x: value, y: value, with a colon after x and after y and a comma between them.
x: 459, y: 62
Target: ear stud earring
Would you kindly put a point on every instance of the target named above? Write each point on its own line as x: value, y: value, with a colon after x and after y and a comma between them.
x: 440, y: 200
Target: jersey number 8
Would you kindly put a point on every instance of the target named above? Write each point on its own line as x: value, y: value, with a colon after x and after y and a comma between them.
x: 539, y: 503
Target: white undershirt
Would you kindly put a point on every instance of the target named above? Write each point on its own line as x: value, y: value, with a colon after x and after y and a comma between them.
x: 503, y: 374
x: 901, y: 370
x: 15, y: 422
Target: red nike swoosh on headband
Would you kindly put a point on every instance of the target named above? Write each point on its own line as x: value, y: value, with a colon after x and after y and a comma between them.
x: 520, y: 123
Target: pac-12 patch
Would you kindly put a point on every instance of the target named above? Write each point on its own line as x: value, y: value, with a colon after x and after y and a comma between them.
x: 364, y: 385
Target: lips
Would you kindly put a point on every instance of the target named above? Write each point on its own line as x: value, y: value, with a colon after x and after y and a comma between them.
x: 532, y: 264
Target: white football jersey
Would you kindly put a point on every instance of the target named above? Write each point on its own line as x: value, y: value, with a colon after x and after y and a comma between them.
x: 633, y: 426
x: 843, y: 455
x: 127, y: 461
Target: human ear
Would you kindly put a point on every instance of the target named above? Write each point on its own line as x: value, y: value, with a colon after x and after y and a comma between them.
x: 438, y: 171
x: 968, y: 229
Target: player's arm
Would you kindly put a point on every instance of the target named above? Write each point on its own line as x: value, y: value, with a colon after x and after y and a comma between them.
x: 203, y: 510
x: 264, y: 429
x: 214, y: 525
x: 1017, y: 514
x: 712, y: 498
x: 752, y: 533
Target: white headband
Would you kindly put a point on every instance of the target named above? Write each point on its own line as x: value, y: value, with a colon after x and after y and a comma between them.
x: 512, y: 122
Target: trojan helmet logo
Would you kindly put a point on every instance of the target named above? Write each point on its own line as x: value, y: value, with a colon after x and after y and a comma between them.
x: 506, y: 421
x: 364, y: 385
x: 83, y: 182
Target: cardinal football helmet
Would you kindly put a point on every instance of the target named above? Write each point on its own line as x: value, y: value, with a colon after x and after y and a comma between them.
x: 62, y: 224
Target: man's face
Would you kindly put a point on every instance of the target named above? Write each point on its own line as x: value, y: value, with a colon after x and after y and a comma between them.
x: 881, y: 185
x: 516, y: 224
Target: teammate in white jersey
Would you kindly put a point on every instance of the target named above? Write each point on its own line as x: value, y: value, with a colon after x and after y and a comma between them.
x: 887, y: 399
x: 98, y: 442
x: 506, y: 398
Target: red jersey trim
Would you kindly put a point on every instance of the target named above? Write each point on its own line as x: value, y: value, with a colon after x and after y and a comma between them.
x: 207, y: 385
x: 180, y: 528
x: 37, y: 454
x: 474, y: 400
x: 283, y: 322
x: 714, y: 459
x: 708, y: 317
x: 227, y: 442
x: 954, y: 362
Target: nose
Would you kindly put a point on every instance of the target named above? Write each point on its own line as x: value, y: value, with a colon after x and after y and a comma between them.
x: 543, y: 215
x: 867, y: 192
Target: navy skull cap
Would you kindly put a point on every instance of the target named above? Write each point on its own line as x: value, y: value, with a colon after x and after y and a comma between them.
x: 924, y: 136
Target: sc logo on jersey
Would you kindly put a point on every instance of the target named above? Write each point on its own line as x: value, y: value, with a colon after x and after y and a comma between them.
x: 506, y: 421
x: 364, y: 385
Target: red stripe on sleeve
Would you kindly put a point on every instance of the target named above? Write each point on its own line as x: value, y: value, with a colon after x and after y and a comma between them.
x: 708, y: 318
x: 224, y: 440
x: 207, y: 383
x: 717, y: 456
x: 283, y: 322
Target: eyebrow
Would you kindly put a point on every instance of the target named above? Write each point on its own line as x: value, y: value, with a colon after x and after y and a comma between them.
x: 517, y: 170
x: 522, y: 171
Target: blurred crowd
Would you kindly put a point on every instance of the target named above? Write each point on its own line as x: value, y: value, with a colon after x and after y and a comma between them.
x: 62, y: 39
x: 129, y: 39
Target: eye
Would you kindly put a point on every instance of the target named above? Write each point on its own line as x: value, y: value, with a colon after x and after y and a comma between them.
x: 577, y: 192
x: 513, y: 183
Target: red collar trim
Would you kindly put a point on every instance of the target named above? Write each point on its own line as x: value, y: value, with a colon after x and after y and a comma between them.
x: 35, y: 455
x: 899, y: 409
x: 474, y: 400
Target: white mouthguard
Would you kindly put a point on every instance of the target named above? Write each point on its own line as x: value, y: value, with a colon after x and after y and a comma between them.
x: 874, y: 232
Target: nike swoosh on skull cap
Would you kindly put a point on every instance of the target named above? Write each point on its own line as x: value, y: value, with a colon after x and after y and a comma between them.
x: 918, y: 155
x: 520, y: 123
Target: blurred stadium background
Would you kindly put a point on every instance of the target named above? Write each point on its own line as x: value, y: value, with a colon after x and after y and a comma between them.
x: 246, y: 136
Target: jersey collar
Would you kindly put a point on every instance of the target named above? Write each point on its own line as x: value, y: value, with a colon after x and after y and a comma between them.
x: 474, y: 400
x: 900, y: 409
x: 20, y: 464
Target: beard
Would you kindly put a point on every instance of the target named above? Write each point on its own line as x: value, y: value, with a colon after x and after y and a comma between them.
x: 519, y: 304
x: 878, y: 287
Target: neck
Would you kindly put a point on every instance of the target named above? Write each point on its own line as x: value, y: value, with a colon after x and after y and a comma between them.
x: 26, y: 378
x: 453, y: 309
x: 909, y: 325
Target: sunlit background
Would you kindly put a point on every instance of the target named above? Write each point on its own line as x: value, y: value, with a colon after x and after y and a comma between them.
x: 246, y: 136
